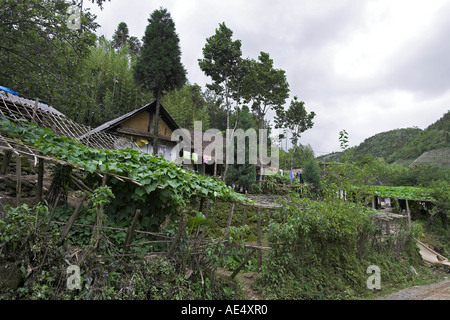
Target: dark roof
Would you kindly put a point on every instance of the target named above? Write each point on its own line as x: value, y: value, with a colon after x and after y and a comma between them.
x: 114, y: 123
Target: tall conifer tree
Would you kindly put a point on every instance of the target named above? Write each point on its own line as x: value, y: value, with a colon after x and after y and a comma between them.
x: 159, y: 66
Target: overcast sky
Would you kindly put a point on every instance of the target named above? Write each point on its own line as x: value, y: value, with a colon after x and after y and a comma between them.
x: 366, y: 66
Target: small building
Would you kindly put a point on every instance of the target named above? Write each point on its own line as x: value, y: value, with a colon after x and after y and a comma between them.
x: 137, y: 127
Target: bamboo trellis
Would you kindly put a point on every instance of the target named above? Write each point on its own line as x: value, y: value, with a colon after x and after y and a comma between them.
x: 12, y: 106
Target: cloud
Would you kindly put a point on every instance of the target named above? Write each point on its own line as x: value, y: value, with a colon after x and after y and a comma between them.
x: 366, y: 66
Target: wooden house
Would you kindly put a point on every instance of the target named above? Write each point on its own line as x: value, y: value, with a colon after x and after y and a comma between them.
x: 138, y: 127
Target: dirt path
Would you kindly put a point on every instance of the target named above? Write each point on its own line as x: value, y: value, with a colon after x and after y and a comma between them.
x: 247, y: 280
x: 437, y: 291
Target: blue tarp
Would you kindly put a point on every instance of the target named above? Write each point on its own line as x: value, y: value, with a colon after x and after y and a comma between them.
x: 9, y: 90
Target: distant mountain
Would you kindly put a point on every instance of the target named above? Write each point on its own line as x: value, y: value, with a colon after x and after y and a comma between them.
x: 440, y: 157
x: 406, y: 145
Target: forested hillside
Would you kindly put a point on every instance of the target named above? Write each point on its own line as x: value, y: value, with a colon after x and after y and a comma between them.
x: 404, y: 145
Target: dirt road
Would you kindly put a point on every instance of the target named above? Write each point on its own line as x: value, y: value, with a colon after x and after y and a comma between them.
x: 437, y: 291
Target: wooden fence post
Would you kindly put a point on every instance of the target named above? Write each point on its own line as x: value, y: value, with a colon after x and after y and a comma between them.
x: 53, y: 210
x: 19, y: 178
x: 181, y: 226
x: 206, y: 215
x: 71, y: 221
x: 249, y: 255
x: 7, y: 154
x: 244, y: 215
x: 230, y: 216
x: 130, y: 231
x: 40, y: 180
x: 259, y: 240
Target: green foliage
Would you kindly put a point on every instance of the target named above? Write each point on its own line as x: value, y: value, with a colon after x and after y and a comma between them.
x: 401, y: 146
x: 264, y: 86
x: 111, y: 89
x: 343, y: 139
x: 242, y: 174
x: 222, y: 61
x: 164, y: 187
x: 311, y: 173
x: 300, y: 155
x: 40, y: 55
x: 324, y: 249
x: 159, y: 66
x: 187, y: 105
x: 158, y: 279
x: 441, y: 192
x: 270, y: 185
x: 296, y: 119
x: 122, y: 39
x: 436, y: 136
x: 20, y: 227
x: 401, y: 192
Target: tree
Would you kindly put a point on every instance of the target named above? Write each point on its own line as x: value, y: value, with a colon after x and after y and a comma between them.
x: 215, y: 109
x: 40, y: 54
x: 111, y: 89
x: 266, y: 87
x: 242, y: 175
x: 121, y: 36
x: 311, y: 172
x: 187, y: 105
x: 223, y: 63
x: 121, y: 39
x: 159, y: 66
x: 296, y: 120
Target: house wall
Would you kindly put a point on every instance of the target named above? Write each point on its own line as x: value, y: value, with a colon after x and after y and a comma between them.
x: 164, y: 129
x: 141, y: 122
x: 168, y: 154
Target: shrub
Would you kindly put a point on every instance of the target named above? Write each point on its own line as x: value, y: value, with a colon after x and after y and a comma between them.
x: 324, y: 250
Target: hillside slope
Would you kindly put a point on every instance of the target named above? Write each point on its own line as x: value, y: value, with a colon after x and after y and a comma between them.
x: 405, y: 145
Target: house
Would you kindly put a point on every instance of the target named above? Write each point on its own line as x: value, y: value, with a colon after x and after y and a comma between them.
x: 137, y: 127
x: 208, y: 165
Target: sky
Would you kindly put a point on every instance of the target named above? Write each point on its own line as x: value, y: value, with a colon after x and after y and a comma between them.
x: 366, y: 66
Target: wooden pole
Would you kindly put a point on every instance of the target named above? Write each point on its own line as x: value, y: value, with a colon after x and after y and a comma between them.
x: 40, y: 180
x: 54, y: 209
x: 408, y: 212
x: 130, y: 232
x: 388, y: 228
x: 7, y: 154
x: 98, y: 224
x: 18, y: 178
x: 244, y: 215
x: 35, y: 109
x: 230, y: 216
x: 181, y: 226
x: 235, y: 272
x: 72, y: 219
x: 206, y: 215
x: 259, y: 240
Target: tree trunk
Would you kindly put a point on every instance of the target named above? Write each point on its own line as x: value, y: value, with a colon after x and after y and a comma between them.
x: 156, y: 128
x: 261, y: 166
